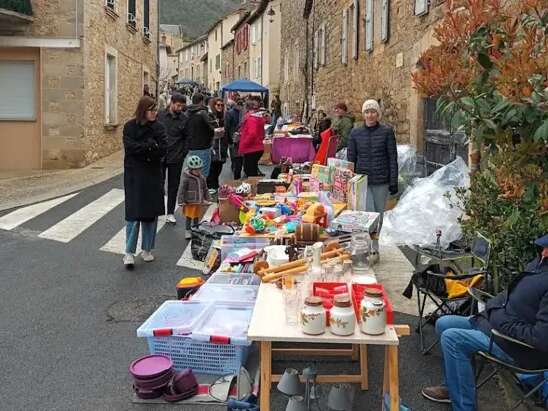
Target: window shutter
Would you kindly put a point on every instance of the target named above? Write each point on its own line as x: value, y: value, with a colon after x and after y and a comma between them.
x: 324, y: 46
x: 368, y: 25
x: 356, y: 33
x: 385, y: 22
x: 421, y: 7
x: 344, y: 34
x: 316, y: 48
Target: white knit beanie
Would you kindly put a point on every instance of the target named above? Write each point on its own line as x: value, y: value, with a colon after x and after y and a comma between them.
x: 371, y: 105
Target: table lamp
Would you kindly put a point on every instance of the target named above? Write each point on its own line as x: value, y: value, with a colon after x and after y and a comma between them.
x: 290, y: 384
x: 296, y: 403
x: 340, y: 398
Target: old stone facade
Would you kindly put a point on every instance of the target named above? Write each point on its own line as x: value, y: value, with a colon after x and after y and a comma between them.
x: 73, y: 40
x: 227, y: 63
x: 193, y: 61
x: 377, y: 66
x: 241, y: 48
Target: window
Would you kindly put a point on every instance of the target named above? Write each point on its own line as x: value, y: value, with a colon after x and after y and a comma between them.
x: 146, y: 18
x: 239, y: 72
x: 344, y: 37
x: 322, y: 45
x: 258, y: 69
x: 146, y: 78
x: 210, y: 65
x: 354, y: 13
x: 421, y: 7
x: 131, y: 13
x: 316, y: 48
x: 245, y: 70
x: 369, y: 25
x: 385, y: 22
x: 18, y: 84
x: 187, y: 54
x: 215, y: 34
x: 110, y: 88
x: 218, y: 62
x: 253, y: 34
x: 111, y: 4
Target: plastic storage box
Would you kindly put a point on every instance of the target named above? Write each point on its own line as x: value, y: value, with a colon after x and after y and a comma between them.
x: 234, y: 279
x: 226, y: 293
x: 218, y: 344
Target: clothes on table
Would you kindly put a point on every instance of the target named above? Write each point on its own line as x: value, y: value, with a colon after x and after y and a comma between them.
x: 148, y: 236
x: 299, y: 149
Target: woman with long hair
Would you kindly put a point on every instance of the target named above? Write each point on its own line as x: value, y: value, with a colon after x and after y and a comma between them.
x: 145, y: 144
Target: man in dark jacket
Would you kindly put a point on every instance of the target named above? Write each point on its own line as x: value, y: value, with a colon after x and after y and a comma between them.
x: 372, y: 149
x: 200, y: 130
x: 232, y: 126
x: 520, y: 312
x: 174, y: 121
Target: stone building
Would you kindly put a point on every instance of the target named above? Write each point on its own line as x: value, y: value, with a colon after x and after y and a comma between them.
x: 172, y: 38
x: 350, y: 50
x: 241, y: 47
x: 227, y: 62
x: 71, y: 73
x: 193, y: 61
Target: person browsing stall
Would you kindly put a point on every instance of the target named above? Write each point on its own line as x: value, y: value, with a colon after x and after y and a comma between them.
x: 201, y: 129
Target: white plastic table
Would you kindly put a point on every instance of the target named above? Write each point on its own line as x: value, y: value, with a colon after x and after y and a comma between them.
x: 268, y: 325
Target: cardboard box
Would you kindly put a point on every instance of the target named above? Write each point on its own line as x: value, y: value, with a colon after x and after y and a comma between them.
x: 336, y: 162
x: 357, y: 193
x: 228, y: 212
x: 341, y: 177
x: 322, y: 173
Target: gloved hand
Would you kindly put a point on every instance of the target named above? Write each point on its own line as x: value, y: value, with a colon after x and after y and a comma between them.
x: 393, y: 189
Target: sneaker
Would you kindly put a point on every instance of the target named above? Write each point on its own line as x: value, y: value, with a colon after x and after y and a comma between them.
x: 129, y: 261
x: 438, y: 393
x: 212, y: 191
x: 147, y: 256
x: 170, y: 218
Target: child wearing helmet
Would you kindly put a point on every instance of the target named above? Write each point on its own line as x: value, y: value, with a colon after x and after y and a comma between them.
x: 193, y: 192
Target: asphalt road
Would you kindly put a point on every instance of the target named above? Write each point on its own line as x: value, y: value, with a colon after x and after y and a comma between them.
x: 70, y: 311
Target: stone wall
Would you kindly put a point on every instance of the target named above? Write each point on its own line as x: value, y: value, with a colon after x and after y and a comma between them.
x: 241, y: 61
x: 383, y: 73
x: 135, y: 54
x: 55, y: 18
x: 227, y: 63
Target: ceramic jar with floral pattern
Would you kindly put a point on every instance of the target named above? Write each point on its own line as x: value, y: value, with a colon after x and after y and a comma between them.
x: 372, y: 312
x: 342, y: 319
x: 313, y: 316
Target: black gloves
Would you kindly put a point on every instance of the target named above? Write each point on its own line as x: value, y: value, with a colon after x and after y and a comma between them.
x: 393, y: 189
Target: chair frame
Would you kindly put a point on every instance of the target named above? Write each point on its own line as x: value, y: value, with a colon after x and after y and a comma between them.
x: 498, y: 364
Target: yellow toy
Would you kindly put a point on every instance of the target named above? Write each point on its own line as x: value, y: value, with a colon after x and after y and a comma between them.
x: 316, y: 214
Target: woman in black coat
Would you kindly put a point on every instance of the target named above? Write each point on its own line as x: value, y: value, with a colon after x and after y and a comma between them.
x: 219, y: 152
x: 145, y: 144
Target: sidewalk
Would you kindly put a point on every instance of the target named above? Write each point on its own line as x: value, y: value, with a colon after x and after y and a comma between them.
x: 20, y: 188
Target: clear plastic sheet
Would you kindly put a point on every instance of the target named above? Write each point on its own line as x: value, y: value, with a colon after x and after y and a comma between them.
x: 425, y: 208
x: 407, y: 165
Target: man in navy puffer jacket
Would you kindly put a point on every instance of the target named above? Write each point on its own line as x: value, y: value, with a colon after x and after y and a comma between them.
x: 520, y: 312
x: 372, y: 149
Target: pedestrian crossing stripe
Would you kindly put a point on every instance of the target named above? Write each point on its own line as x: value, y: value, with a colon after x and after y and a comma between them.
x: 75, y: 224
x: 24, y: 214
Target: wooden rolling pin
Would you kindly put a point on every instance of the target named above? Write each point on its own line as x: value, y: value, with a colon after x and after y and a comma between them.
x: 300, y: 270
x: 297, y: 263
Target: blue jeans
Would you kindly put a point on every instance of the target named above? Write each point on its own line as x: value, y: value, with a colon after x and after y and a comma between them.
x: 375, y: 201
x: 459, y: 342
x: 132, y: 235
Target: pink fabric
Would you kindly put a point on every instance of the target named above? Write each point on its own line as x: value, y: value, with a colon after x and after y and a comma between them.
x: 299, y: 149
x: 252, y: 134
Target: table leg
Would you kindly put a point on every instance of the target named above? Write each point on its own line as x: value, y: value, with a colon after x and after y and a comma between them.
x: 364, y: 370
x: 266, y: 374
x: 386, y: 376
x: 355, y: 352
x: 394, y: 379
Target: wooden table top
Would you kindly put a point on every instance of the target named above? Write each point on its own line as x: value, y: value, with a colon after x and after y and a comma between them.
x: 268, y: 324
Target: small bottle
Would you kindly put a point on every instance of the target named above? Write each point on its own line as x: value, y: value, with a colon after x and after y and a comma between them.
x: 347, y: 269
x: 313, y: 316
x: 342, y: 320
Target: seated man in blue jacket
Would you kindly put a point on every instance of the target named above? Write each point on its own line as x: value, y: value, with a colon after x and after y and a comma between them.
x: 520, y: 312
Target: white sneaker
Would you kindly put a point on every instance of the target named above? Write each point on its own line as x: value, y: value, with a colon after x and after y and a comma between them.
x: 129, y: 261
x: 170, y: 218
x: 147, y: 256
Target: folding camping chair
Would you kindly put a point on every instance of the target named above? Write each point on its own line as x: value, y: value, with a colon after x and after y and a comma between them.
x: 431, y: 287
x: 486, y: 357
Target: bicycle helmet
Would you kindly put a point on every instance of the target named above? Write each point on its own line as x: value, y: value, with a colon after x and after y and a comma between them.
x: 244, y: 189
x: 195, y: 162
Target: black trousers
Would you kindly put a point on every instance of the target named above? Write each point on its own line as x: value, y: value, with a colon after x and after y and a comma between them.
x: 173, y: 174
x: 237, y: 164
x: 215, y: 170
x: 251, y: 163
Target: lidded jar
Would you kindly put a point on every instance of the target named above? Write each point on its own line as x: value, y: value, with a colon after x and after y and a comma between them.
x: 342, y: 319
x: 372, y: 312
x: 313, y: 316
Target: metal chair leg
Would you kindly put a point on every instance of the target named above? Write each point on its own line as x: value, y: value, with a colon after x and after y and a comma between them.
x: 526, y: 396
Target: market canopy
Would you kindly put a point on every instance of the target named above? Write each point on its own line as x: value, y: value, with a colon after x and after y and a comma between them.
x: 245, y: 86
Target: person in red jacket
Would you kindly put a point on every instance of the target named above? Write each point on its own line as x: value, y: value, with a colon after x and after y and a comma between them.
x: 252, y: 134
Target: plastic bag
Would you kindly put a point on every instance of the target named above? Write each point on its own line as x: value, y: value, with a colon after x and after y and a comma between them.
x: 341, y: 154
x: 425, y: 208
x: 407, y: 165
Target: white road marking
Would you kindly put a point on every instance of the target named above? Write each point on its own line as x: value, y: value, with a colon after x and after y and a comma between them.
x: 24, y: 214
x: 72, y: 226
x: 186, y: 259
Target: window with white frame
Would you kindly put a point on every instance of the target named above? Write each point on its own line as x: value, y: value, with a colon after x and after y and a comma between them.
x: 146, y: 18
x: 421, y: 7
x: 355, y: 32
x: 111, y: 87
x: 132, y: 13
x: 369, y: 25
x: 385, y: 20
x: 18, y: 85
x: 111, y: 4
x: 322, y: 45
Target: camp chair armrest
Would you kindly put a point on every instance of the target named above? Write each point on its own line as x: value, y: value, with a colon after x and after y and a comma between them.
x: 451, y: 277
x: 479, y: 295
x: 498, y: 334
x: 433, y: 274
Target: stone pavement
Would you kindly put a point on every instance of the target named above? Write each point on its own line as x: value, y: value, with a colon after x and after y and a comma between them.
x: 20, y: 188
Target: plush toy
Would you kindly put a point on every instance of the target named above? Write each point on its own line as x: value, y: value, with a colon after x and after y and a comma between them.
x: 316, y: 214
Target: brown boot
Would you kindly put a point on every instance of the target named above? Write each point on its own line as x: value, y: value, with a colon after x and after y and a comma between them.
x: 438, y: 393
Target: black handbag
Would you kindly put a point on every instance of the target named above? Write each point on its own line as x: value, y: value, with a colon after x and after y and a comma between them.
x: 203, y: 236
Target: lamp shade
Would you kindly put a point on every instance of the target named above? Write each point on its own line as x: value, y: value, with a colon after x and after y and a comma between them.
x: 340, y: 398
x: 290, y: 384
x: 296, y: 403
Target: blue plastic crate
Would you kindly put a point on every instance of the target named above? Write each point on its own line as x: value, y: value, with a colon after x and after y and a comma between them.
x: 201, y: 357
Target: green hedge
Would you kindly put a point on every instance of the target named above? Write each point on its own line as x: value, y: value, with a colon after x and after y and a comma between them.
x: 20, y: 6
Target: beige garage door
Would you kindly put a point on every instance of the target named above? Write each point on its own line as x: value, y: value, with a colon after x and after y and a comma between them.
x: 20, y: 128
